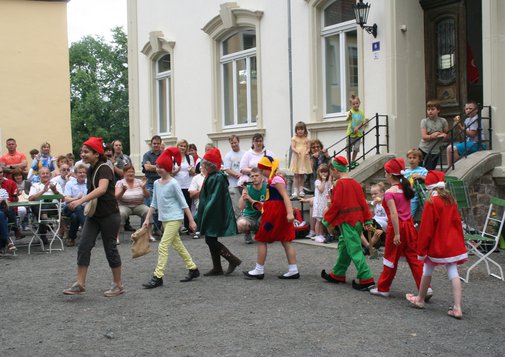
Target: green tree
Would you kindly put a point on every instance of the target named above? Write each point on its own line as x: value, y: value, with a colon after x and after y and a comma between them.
x: 99, y: 89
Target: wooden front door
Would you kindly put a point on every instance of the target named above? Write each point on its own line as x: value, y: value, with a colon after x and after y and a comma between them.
x: 445, y: 53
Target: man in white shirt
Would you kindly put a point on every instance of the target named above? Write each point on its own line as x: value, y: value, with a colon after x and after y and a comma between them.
x: 74, y: 190
x: 232, y: 168
x: 63, y: 177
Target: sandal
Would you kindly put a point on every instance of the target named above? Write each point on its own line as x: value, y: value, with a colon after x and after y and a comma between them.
x: 11, y: 247
x: 455, y: 312
x: 414, y: 302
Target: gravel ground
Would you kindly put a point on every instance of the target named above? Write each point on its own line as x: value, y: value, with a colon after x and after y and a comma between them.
x: 231, y: 316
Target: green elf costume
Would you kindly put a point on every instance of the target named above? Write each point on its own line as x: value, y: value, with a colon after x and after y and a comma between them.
x: 349, y: 212
x: 215, y: 217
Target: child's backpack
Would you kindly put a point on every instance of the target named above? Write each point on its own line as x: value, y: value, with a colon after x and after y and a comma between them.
x: 301, y: 227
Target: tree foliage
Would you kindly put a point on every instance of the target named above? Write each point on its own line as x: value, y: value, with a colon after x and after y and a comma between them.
x: 99, y: 89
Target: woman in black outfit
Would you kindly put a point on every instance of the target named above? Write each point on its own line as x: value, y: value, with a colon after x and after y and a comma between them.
x: 105, y: 221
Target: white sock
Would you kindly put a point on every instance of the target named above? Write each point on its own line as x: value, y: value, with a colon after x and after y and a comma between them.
x: 258, y: 270
x: 292, y: 270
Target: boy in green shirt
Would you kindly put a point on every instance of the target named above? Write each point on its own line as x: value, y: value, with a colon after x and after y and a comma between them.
x: 251, y: 194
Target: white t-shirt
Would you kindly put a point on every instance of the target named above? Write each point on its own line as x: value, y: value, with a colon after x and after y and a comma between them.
x: 232, y: 162
x: 39, y: 186
x: 250, y: 160
x: 183, y: 177
x: 196, y: 185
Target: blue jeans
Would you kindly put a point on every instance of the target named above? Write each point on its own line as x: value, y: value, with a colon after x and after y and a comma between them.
x: 4, y: 230
x: 76, y: 219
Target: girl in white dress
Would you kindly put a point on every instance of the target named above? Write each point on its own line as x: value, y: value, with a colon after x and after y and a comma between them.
x: 322, y: 185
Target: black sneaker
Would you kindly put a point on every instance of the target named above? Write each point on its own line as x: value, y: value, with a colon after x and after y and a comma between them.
x: 329, y: 278
x: 192, y: 274
x: 153, y: 283
x: 362, y: 287
x: 248, y: 238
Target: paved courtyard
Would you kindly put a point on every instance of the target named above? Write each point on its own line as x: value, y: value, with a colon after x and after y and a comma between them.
x: 231, y: 316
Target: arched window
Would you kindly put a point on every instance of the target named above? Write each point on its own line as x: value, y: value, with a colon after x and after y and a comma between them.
x: 239, y: 79
x: 235, y: 36
x: 340, y: 55
x: 163, y: 98
x: 159, y: 52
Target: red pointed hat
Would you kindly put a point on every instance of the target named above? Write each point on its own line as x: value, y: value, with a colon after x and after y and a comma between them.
x: 340, y: 163
x: 395, y: 166
x: 214, y: 156
x: 167, y: 158
x: 435, y: 179
x: 95, y: 144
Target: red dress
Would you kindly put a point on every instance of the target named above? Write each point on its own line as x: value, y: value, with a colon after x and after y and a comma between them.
x: 408, y: 246
x: 441, y: 240
x: 274, y: 226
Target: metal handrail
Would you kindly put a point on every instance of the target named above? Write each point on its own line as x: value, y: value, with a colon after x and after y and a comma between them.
x: 375, y: 130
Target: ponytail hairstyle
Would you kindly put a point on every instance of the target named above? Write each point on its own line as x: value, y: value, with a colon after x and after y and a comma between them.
x: 443, y: 193
x: 408, y: 192
x: 435, y: 182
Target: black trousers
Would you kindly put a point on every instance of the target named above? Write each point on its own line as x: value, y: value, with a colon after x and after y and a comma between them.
x: 107, y: 227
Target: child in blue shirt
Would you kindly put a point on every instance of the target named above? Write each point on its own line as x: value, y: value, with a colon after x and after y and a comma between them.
x: 169, y: 200
x: 415, y: 172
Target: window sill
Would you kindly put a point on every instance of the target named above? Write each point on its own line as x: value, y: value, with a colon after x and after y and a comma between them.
x: 166, y: 138
x: 327, y: 125
x: 240, y: 132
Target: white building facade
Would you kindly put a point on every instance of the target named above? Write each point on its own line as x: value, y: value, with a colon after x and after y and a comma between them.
x: 202, y: 70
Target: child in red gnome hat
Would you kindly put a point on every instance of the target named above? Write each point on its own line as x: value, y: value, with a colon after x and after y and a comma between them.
x: 215, y: 216
x: 169, y: 200
x: 401, y: 235
x: 349, y: 212
x: 441, y: 241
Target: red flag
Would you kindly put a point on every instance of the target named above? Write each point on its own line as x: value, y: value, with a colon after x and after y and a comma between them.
x: 472, y: 72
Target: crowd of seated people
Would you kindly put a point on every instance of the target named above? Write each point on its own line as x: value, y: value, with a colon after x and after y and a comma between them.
x: 22, y: 181
x: 46, y: 173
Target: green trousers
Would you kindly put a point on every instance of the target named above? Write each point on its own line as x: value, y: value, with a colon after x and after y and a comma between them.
x: 349, y: 249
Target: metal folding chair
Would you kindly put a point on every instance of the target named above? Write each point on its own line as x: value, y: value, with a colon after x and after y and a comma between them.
x: 490, y: 234
x: 459, y: 191
x: 49, y: 214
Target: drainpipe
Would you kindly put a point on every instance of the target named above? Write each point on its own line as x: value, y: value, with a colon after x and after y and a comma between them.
x: 290, y: 76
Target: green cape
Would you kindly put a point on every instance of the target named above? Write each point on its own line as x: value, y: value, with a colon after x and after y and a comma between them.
x: 215, y: 216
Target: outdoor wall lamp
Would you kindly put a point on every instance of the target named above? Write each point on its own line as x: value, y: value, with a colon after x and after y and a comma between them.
x: 361, y: 15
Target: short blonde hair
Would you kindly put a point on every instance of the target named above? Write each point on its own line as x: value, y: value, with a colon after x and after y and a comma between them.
x: 417, y: 153
x: 380, y: 186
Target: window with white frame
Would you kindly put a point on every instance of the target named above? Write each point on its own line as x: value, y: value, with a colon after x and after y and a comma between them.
x: 239, y: 79
x: 340, y: 56
x: 163, y: 98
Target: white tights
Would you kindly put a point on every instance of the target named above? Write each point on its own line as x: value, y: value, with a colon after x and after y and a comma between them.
x: 452, y: 270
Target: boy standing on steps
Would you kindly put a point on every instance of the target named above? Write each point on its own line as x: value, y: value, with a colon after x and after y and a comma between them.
x: 349, y: 212
x: 357, y: 121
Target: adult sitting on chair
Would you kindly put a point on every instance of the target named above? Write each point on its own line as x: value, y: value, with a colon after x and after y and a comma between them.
x: 254, y: 192
x: 74, y: 190
x: 471, y: 129
x: 12, y: 190
x: 5, y: 242
x: 39, y: 189
x: 130, y: 194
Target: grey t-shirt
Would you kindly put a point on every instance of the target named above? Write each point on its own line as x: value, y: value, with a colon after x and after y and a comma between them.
x: 431, y: 126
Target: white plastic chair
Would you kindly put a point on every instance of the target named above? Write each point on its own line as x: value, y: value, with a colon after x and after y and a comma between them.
x: 50, y: 207
x: 490, y: 234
